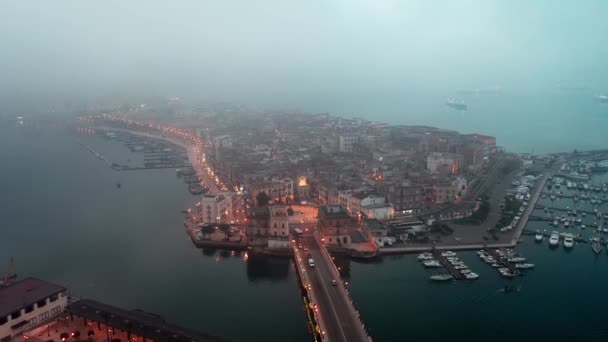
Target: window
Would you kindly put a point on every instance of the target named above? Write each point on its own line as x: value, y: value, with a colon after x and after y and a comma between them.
x: 43, y: 316
x: 56, y: 310
x: 3, y: 320
x: 275, y: 225
x: 41, y: 303
x: 282, y: 225
x: 16, y: 314
x: 33, y: 321
x: 29, y: 308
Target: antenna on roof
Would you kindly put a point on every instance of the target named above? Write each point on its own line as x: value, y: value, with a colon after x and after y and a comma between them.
x: 9, y: 276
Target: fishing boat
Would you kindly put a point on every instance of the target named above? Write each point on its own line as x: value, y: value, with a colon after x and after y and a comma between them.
x: 441, y: 277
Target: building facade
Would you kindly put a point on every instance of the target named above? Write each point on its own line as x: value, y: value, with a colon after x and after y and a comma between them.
x: 29, y: 303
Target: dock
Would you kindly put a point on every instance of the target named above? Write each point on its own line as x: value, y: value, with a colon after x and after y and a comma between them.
x: 503, y: 261
x: 456, y: 274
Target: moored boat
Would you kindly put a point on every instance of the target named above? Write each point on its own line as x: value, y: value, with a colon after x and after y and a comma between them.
x: 554, y: 239
x: 568, y: 241
x: 441, y: 277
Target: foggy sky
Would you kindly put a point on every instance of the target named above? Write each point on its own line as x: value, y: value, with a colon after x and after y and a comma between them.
x: 281, y: 50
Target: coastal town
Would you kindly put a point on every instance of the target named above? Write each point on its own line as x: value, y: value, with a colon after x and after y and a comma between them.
x: 311, y: 187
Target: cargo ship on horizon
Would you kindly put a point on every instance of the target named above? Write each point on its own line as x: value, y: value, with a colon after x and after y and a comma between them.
x: 458, y: 105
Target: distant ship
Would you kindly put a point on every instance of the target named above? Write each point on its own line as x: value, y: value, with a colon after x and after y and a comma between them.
x: 601, y: 98
x: 456, y: 105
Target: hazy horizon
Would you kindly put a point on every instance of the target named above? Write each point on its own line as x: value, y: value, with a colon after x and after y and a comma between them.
x: 292, y: 53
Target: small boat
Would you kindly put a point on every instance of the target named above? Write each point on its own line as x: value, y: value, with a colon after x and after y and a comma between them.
x: 448, y: 254
x: 508, y: 274
x: 471, y: 275
x: 538, y: 237
x: 431, y: 263
x: 554, y: 239
x: 496, y: 265
x: 425, y: 256
x: 441, y: 277
x: 583, y: 226
x: 566, y: 224
x: 568, y: 241
x: 524, y: 266
x: 460, y: 267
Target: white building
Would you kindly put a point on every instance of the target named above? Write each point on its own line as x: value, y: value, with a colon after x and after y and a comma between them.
x: 346, y: 143
x: 216, y: 208
x: 29, y: 303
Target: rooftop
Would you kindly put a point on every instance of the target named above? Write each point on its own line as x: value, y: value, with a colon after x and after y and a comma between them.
x: 333, y: 211
x: 25, y: 292
x: 139, y: 322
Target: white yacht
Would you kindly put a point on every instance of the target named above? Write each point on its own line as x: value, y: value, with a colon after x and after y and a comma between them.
x: 441, y: 277
x: 524, y: 266
x: 425, y: 256
x: 516, y: 259
x: 448, y: 254
x: 566, y: 224
x: 538, y: 237
x: 471, y: 275
x: 431, y: 263
x: 568, y: 241
x: 554, y: 239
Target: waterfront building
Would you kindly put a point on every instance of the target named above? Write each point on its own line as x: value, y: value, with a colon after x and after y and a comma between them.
x: 27, y: 304
x: 216, y: 208
x: 268, y: 227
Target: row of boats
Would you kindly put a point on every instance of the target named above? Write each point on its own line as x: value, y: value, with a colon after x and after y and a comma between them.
x: 506, y: 258
x: 429, y: 261
x: 555, y: 237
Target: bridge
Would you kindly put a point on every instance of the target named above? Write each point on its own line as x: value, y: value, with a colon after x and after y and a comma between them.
x: 333, y: 309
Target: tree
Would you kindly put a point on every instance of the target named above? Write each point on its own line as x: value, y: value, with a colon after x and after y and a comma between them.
x: 262, y: 199
x: 289, y: 211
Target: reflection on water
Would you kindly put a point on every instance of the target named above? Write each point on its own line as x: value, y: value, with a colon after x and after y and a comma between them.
x: 261, y: 267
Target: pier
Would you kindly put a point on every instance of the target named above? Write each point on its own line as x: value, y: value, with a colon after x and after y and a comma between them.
x: 337, y: 318
x: 456, y: 274
x: 503, y: 261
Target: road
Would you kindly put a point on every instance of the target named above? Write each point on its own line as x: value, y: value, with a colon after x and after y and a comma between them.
x: 337, y: 313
